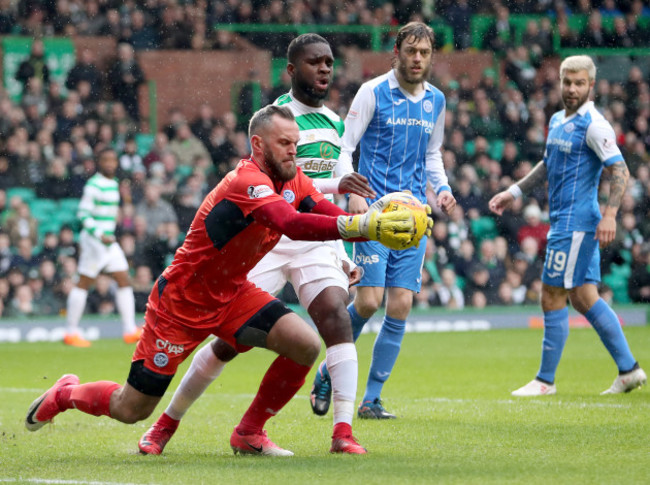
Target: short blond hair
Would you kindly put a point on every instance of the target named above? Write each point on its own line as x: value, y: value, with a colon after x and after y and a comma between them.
x: 578, y: 63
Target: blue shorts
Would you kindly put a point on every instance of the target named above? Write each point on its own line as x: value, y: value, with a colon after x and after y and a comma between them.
x: 390, y: 268
x: 572, y: 259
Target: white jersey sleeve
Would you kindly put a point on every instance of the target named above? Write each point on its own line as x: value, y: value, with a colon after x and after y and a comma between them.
x: 361, y: 112
x: 435, y: 169
x: 602, y: 140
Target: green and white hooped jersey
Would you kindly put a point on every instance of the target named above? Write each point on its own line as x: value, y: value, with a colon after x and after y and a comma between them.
x: 99, y: 206
x: 321, y: 130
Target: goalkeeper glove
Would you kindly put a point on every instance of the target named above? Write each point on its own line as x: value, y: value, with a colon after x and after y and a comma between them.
x: 393, y: 229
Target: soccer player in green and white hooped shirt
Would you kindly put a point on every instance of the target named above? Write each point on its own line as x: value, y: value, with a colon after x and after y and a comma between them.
x: 320, y: 272
x: 98, y: 210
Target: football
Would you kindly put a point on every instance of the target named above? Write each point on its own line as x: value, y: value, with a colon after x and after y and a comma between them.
x: 406, y: 200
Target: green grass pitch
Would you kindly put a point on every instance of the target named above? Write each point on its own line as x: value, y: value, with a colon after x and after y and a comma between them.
x: 457, y: 422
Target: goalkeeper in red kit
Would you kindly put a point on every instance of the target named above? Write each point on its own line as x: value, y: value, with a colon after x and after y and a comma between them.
x: 205, y: 290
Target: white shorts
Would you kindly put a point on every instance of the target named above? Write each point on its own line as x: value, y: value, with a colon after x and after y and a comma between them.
x: 95, y: 257
x: 309, y: 272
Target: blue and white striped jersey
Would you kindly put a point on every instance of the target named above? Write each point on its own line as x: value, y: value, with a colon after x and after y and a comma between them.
x: 400, y: 137
x: 577, y: 149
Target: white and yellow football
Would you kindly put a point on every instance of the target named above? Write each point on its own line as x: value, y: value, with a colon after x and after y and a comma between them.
x: 406, y: 200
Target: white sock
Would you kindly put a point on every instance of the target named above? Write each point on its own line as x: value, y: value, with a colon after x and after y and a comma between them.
x: 204, y: 369
x: 75, y: 308
x: 343, y: 367
x: 125, y: 303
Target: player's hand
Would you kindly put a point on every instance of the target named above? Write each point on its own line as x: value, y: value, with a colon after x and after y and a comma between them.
x: 501, y: 202
x: 446, y: 201
x: 606, y: 230
x: 355, y: 275
x: 357, y: 205
x: 393, y: 229
x: 355, y: 183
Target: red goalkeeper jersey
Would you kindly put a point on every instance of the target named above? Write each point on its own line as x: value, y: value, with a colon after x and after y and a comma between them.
x: 224, y: 241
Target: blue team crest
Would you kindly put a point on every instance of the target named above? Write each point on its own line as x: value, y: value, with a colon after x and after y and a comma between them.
x: 427, y: 106
x: 289, y: 196
x: 569, y: 127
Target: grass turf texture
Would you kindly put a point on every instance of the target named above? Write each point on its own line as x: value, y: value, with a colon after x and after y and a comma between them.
x: 457, y: 422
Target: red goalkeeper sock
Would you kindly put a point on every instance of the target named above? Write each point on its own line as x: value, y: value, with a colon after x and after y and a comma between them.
x: 92, y: 398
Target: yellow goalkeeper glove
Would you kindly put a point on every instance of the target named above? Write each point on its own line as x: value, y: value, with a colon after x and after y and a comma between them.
x: 423, y: 226
x: 393, y: 229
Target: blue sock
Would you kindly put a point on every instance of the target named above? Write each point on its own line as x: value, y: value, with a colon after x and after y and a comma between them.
x: 606, y: 323
x: 556, y: 331
x: 384, y: 355
x: 357, y: 325
x: 357, y: 321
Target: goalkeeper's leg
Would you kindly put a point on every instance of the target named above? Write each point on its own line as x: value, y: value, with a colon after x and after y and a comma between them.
x: 206, y: 366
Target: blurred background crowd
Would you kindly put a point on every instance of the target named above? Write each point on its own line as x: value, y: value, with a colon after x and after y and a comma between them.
x: 495, y: 133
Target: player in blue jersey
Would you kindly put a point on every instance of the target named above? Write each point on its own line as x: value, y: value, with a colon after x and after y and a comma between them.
x: 399, y: 120
x: 581, y: 144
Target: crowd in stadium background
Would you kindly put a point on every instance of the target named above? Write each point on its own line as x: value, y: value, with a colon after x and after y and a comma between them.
x: 495, y: 133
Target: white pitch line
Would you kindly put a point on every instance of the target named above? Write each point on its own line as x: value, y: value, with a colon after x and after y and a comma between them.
x: 71, y: 482
x: 545, y: 402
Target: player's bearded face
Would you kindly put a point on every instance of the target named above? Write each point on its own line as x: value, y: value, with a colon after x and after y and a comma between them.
x: 279, y: 165
x: 576, y: 88
x: 414, y: 60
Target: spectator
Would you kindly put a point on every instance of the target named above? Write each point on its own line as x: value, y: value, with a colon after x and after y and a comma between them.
x: 130, y: 160
x: 459, y: 17
x: 520, y: 69
x: 34, y: 66
x: 186, y: 146
x: 594, y: 35
x: 159, y: 146
x: 448, y: 292
x: 140, y: 35
x: 7, y: 17
x: 86, y: 70
x: 25, y: 260
x: 479, y: 282
x: 620, y: 37
x: 21, y: 224
x: 22, y: 304
x: 185, y: 207
x: 101, y: 299
x: 49, y: 248
x: 165, y: 245
x: 56, y: 184
x: 6, y: 256
x: 142, y: 284
x: 124, y: 78
x: 639, y: 282
x: 154, y: 210
x: 500, y: 35
x: 534, y: 228
x: 44, y: 300
x: 68, y: 248
x: 204, y: 123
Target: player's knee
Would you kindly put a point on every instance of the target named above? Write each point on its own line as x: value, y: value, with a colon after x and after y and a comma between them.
x: 310, y: 349
x: 223, y: 351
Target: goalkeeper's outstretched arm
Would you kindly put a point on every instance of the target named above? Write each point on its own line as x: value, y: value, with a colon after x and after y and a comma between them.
x: 327, y: 221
